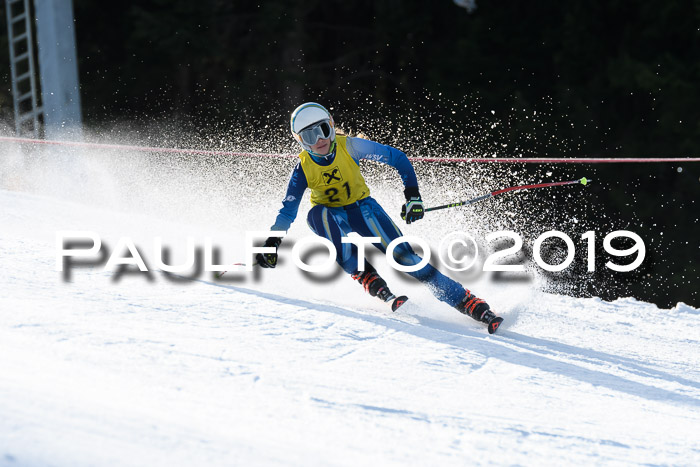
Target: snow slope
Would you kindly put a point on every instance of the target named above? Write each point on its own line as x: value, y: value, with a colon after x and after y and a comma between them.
x: 277, y: 369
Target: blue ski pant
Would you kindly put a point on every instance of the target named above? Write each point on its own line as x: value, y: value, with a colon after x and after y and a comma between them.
x: 367, y: 218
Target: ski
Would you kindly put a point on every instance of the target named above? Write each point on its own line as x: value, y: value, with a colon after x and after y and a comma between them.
x: 398, y: 301
x: 494, y: 324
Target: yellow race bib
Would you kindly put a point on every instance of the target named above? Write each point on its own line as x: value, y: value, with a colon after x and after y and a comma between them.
x: 338, y: 184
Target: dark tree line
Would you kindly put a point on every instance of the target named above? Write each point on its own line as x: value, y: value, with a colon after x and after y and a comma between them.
x: 618, y: 76
x: 622, y: 76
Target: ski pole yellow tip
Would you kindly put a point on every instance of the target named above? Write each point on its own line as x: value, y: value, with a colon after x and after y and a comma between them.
x: 584, y: 181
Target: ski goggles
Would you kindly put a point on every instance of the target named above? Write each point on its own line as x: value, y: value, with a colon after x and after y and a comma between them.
x: 310, y: 135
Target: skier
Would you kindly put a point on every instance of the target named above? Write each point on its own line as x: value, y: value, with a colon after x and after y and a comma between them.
x: 330, y: 167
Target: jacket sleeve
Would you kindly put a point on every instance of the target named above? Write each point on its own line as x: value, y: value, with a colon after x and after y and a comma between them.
x: 365, y: 149
x: 290, y: 204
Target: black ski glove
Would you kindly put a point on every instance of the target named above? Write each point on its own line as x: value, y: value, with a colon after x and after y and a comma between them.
x: 269, y: 260
x: 413, y: 209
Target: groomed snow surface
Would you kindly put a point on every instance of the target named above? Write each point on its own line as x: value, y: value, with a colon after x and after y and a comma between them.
x: 274, y: 368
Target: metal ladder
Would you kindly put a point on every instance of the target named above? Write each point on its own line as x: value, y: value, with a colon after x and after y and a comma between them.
x: 28, y: 111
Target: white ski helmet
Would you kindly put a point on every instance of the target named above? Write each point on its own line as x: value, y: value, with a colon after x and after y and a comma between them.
x: 310, y: 122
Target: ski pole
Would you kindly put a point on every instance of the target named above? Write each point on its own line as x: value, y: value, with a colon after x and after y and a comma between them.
x: 234, y: 264
x: 582, y: 181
